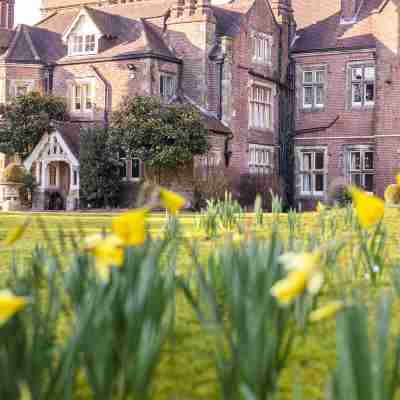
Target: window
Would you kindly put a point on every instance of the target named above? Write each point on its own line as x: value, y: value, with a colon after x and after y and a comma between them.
x: 362, y: 85
x: 260, y: 107
x: 75, y: 178
x: 313, y: 89
x: 82, y: 44
x: 52, y: 175
x: 262, y: 48
x: 21, y: 87
x: 167, y: 86
x: 131, y: 169
x: 362, y: 168
x: 312, y: 172
x: 260, y: 159
x: 82, y: 101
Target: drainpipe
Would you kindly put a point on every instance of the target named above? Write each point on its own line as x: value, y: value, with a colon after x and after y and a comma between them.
x: 106, y: 93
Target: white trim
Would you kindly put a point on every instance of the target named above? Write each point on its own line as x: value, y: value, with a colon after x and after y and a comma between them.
x: 75, y: 21
x: 46, y: 138
x: 332, y: 52
x: 344, y: 137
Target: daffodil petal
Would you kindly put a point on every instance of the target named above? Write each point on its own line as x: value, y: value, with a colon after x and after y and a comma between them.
x: 16, y: 234
x: 327, y: 311
x: 131, y: 227
x: 10, y: 305
x: 171, y: 201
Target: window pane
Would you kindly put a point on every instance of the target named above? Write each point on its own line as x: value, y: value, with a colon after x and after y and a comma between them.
x: 355, y: 179
x: 308, y: 96
x: 369, y: 92
x: 88, y: 97
x: 319, y: 160
x: 356, y: 93
x: 369, y: 182
x: 319, y: 98
x: 369, y: 160
x: 78, y: 94
x: 307, y: 161
x: 320, y: 76
x: 308, y: 77
x: 90, y: 44
x: 124, y: 169
x: 357, y: 74
x: 356, y: 160
x: 135, y: 168
x: 306, y: 187
x: 319, y: 182
x: 369, y: 73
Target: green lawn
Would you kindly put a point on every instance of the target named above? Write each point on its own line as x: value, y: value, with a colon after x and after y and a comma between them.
x: 186, y: 371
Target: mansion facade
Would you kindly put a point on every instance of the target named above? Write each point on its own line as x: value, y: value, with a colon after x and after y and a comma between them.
x: 303, y: 89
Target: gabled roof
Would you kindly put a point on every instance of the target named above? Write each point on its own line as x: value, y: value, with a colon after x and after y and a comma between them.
x: 71, y: 133
x: 322, y: 28
x: 129, y: 29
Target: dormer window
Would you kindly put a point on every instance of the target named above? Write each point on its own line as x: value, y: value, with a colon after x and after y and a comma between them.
x: 83, y: 36
x: 83, y: 44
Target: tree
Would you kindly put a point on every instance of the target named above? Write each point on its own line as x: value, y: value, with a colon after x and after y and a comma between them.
x: 100, y: 177
x: 26, y: 119
x: 162, y: 136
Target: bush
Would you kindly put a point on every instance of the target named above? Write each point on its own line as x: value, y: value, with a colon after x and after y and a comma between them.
x: 248, y: 186
x: 13, y: 173
x: 338, y: 194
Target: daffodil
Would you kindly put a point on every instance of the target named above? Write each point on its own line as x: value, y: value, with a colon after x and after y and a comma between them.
x: 327, y: 311
x: 131, y: 227
x: 304, y: 274
x: 370, y: 209
x: 108, y: 252
x: 16, y: 234
x: 321, y: 207
x: 90, y: 242
x: 10, y: 305
x: 398, y: 179
x: 171, y: 201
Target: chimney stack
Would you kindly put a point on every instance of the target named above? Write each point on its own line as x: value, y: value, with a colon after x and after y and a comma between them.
x: 7, y: 14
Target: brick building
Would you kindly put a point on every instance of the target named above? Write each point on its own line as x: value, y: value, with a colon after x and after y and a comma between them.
x: 346, y: 57
x: 302, y: 88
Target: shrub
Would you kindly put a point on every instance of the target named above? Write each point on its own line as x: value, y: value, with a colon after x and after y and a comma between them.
x: 338, y: 194
x: 13, y: 173
x: 248, y: 186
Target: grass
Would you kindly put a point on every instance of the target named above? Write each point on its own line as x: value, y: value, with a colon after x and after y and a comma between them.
x: 186, y: 371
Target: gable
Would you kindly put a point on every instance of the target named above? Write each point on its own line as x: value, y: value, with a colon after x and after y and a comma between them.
x: 261, y: 18
x: 83, y: 24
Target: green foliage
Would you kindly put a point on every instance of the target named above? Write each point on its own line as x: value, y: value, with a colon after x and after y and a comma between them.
x: 368, y: 366
x: 29, y: 185
x: 253, y: 334
x: 100, y: 176
x: 13, y: 173
x: 161, y: 136
x: 26, y: 119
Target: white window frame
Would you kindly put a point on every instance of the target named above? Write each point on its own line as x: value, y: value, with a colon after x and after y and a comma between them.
x: 129, y: 169
x: 84, y: 85
x: 258, y: 102
x: 362, y: 82
x: 313, y: 171
x: 29, y: 84
x: 314, y: 84
x: 171, y: 86
x: 261, y: 47
x: 260, y: 159
x: 362, y: 170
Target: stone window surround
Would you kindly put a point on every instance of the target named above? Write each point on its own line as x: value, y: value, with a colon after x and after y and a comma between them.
x: 349, y: 170
x: 268, y: 42
x: 164, y: 75
x: 84, y: 112
x: 267, y: 162
x: 349, y: 88
x: 272, y: 87
x: 13, y: 84
x: 314, y: 68
x: 299, y: 151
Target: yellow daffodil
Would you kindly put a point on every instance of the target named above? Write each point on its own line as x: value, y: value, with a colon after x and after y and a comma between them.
x: 304, y: 274
x: 108, y: 252
x: 398, y: 179
x: 327, y: 311
x: 131, y: 227
x: 321, y: 207
x: 171, y: 201
x: 16, y: 234
x: 10, y: 305
x: 370, y: 209
x: 90, y: 242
